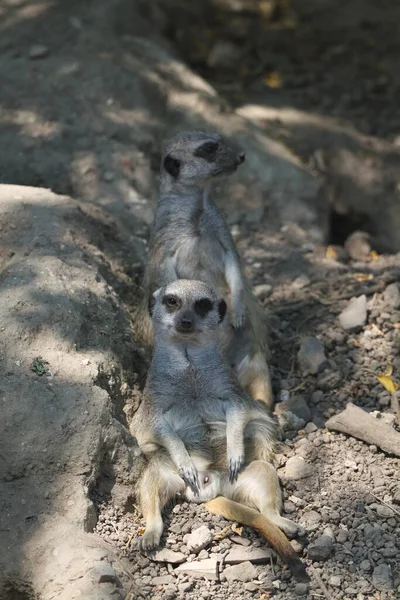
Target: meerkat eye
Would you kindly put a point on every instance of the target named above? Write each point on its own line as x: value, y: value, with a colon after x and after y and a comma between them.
x: 207, y: 150
x: 203, y: 306
x: 171, y: 302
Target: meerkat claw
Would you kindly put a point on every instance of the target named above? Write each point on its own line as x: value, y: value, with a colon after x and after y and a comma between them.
x: 234, y: 468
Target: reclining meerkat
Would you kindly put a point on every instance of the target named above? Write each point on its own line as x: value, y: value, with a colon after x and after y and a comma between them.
x: 202, y: 434
x: 190, y: 239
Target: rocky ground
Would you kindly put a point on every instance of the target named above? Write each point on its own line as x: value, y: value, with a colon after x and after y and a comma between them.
x: 89, y: 91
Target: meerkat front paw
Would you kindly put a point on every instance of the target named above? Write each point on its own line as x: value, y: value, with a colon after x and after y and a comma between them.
x: 235, y: 465
x: 190, y: 476
x: 291, y: 528
x: 150, y: 540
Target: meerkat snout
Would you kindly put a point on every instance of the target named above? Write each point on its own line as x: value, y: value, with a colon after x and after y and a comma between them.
x: 185, y: 323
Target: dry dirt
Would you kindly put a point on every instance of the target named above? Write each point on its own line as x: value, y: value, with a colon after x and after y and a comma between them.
x: 89, y: 91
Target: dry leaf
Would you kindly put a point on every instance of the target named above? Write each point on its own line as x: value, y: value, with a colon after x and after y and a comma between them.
x: 222, y: 534
x: 388, y: 383
x: 373, y: 255
x: 142, y: 530
x: 273, y: 80
x: 331, y: 253
x: 238, y: 530
x: 363, y: 276
x: 389, y: 370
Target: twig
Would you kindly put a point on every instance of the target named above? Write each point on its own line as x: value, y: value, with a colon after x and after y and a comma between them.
x: 321, y: 584
x: 272, y: 565
x: 395, y: 406
x: 386, y: 504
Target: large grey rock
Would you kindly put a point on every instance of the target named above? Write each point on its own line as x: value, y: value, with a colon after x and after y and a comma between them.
x: 320, y: 549
x: 297, y: 468
x: 199, y: 539
x: 242, y: 572
x: 355, y: 313
x: 382, y: 577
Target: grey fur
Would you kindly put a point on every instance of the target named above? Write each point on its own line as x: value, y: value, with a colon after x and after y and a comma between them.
x: 194, y: 410
x: 191, y: 240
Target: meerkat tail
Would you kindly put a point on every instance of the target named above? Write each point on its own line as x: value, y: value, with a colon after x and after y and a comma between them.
x: 233, y: 511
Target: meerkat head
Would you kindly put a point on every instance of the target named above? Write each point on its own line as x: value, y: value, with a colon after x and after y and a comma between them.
x: 210, y: 488
x: 192, y: 158
x: 186, y: 309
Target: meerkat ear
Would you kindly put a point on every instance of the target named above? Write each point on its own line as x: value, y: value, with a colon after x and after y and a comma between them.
x: 152, y: 301
x: 172, y: 165
x: 221, y: 310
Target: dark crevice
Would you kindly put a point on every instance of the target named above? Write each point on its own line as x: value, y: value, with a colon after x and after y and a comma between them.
x: 343, y: 225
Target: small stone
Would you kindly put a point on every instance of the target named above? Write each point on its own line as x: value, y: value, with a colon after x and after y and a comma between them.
x: 277, y: 583
x: 251, y: 587
x: 341, y: 536
x: 310, y: 427
x: 301, y: 282
x: 168, y: 556
x: 372, y: 533
x: 382, y: 577
x: 317, y: 396
x: 335, y: 581
x: 288, y: 421
x: 163, y: 580
x: 223, y: 54
x: 297, y: 468
x: 358, y: 246
x: 241, y: 540
x: 365, y: 565
x: 320, y: 549
x: 185, y: 587
x: 263, y: 290
x: 391, y: 295
x: 38, y: 51
x: 311, y: 520
x: 311, y: 356
x: 199, y: 539
x: 289, y: 507
x: 108, y: 176
x: 301, y: 589
x: 355, y: 313
x: 396, y: 496
x: 203, y: 568
x: 242, y: 572
x: 104, y: 573
x: 239, y: 554
x: 297, y: 547
x: 298, y: 406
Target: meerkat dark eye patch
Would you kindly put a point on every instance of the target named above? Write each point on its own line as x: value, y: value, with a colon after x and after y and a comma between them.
x: 221, y: 310
x: 172, y: 165
x: 207, y: 151
x: 171, y: 302
x: 203, y: 306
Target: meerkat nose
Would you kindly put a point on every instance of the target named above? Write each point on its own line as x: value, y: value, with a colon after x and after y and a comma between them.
x: 240, y: 158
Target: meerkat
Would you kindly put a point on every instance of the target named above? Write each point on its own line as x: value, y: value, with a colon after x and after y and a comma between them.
x: 190, y: 239
x: 202, y: 434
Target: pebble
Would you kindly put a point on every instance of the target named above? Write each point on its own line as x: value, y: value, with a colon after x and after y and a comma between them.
x: 297, y: 468
x: 355, y: 313
x: 104, y: 573
x: 396, y: 496
x: 38, y: 51
x: 301, y: 282
x: 223, y: 54
x: 288, y: 421
x: 311, y: 356
x: 298, y: 406
x: 251, y: 587
x: 263, y: 290
x: 239, y: 554
x: 243, y: 572
x: 310, y: 427
x: 301, y: 589
x: 320, y: 549
x: 341, y: 536
x: 241, y: 540
x: 168, y: 556
x: 382, y: 577
x: 199, y: 539
x: 163, y: 580
x: 358, y: 246
x: 335, y: 581
x: 391, y: 296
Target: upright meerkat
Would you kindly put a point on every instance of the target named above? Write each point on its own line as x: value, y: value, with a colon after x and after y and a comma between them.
x: 202, y: 434
x: 190, y: 239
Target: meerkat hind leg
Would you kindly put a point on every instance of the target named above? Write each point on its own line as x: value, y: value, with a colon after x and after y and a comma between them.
x: 255, y: 378
x: 258, y: 486
x: 159, y: 485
